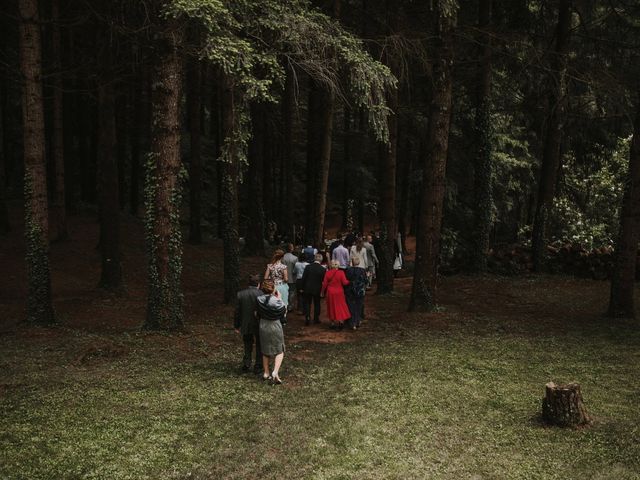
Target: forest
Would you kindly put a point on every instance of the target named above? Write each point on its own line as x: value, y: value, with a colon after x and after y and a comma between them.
x: 155, y: 153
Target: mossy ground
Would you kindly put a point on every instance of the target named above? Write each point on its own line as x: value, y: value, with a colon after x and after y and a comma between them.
x: 449, y: 395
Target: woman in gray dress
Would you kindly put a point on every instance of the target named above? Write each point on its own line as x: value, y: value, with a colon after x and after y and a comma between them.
x: 270, y: 312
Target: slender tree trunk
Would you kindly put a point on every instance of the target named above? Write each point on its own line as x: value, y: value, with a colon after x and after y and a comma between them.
x: 324, y: 158
x: 123, y: 129
x: 483, y: 194
x: 58, y: 205
x: 195, y: 129
x: 39, y: 304
x: 255, y: 231
x: 163, y: 189
x: 230, y: 169
x: 423, y: 293
x: 388, y: 167
x: 347, y: 197
x: 288, y: 101
x: 621, y: 300
x: 111, y: 276
x: 5, y: 226
x: 313, y: 161
x: 555, y: 123
x: 136, y: 141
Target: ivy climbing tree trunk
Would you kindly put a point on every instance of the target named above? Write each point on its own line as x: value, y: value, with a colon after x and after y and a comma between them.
x: 162, y: 189
x: 229, y: 192
x: 39, y: 304
x: 58, y: 205
x: 621, y: 300
x: 256, y: 228
x: 423, y: 292
x: 483, y: 194
x: 194, y: 94
x: 111, y: 276
x: 555, y: 123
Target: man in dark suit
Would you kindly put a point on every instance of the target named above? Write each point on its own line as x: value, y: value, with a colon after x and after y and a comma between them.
x: 311, y: 287
x: 246, y: 323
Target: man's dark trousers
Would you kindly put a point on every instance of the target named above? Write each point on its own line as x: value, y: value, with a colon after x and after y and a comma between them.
x: 249, y: 339
x: 308, y: 298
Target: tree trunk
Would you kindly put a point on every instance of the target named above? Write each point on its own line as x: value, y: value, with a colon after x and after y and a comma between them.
x: 59, y: 227
x: 388, y: 166
x: 136, y: 140
x: 195, y: 129
x: 288, y: 101
x: 111, y: 276
x: 621, y: 300
x: 483, y: 204
x: 324, y: 159
x: 563, y: 406
x: 551, y: 154
x: 313, y: 160
x: 256, y: 228
x: 5, y: 226
x: 423, y: 293
x: 163, y: 189
x: 229, y: 194
x: 39, y: 304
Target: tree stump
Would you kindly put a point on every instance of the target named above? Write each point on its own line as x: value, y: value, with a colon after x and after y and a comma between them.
x: 562, y: 405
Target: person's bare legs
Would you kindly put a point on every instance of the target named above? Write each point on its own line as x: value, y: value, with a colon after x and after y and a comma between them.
x: 265, y: 366
x: 276, y: 366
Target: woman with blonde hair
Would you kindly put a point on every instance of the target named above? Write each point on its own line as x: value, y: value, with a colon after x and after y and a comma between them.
x: 270, y: 311
x: 333, y: 287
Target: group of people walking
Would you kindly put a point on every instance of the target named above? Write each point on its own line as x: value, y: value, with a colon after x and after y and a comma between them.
x: 341, y: 274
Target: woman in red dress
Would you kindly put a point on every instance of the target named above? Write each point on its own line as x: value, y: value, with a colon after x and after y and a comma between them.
x: 333, y: 287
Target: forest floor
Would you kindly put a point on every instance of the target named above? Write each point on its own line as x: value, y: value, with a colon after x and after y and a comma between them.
x: 453, y: 394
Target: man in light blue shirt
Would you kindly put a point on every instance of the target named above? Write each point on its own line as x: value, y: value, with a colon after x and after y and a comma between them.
x: 341, y: 255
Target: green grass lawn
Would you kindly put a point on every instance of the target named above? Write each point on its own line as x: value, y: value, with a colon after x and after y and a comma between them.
x: 401, y: 401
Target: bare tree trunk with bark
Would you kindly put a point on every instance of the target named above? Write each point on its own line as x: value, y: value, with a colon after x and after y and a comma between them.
x: 163, y: 189
x: 621, y: 300
x: 483, y: 187
x: 423, y: 293
x: 230, y: 169
x: 256, y: 228
x: 59, y: 227
x: 39, y: 304
x: 551, y: 161
x: 194, y: 94
x: 111, y: 276
x: 324, y: 158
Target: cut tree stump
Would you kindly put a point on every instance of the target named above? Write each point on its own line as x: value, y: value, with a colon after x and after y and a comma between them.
x: 562, y: 405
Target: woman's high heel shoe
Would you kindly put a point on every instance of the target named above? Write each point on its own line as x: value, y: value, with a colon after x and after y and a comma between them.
x: 275, y: 379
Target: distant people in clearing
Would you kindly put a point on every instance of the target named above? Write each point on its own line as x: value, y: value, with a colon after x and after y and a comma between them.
x: 277, y: 272
x: 360, y: 252
x: 333, y: 288
x: 341, y: 255
x: 245, y: 323
x: 271, y: 311
x: 298, y: 271
x: 373, y: 260
x: 311, y: 287
x: 290, y: 261
x: 355, y: 291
